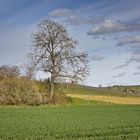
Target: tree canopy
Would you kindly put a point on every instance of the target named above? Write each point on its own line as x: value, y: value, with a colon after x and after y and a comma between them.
x: 55, y: 53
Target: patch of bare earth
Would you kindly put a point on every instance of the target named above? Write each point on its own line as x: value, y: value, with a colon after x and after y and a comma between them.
x: 111, y: 99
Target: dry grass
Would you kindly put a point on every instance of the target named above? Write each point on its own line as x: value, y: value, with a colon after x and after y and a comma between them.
x: 111, y: 99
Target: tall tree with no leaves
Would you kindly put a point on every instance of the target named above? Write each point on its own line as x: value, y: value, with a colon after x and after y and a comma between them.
x: 56, y: 53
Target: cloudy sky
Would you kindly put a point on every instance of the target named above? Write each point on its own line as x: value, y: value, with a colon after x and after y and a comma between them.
x: 109, y: 30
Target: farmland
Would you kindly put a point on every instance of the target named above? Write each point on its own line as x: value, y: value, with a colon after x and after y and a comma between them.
x: 80, y: 120
x: 88, y: 118
x: 111, y: 99
x: 111, y: 91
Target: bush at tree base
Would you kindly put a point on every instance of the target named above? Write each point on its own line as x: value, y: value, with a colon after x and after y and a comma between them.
x: 20, y: 91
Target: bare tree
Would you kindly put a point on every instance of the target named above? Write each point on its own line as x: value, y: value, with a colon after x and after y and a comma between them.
x: 28, y: 70
x: 9, y: 71
x: 56, y: 53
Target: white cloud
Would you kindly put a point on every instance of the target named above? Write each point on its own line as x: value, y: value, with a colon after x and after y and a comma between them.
x: 120, y: 75
x: 61, y: 13
x: 136, y: 73
x: 77, y: 20
x: 97, y: 58
x: 135, y: 58
x: 75, y: 17
x: 135, y: 54
x: 138, y: 67
x: 109, y: 26
x: 135, y: 50
x: 121, y: 66
x: 129, y: 40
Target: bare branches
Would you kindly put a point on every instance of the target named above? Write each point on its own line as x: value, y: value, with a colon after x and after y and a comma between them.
x: 55, y: 52
x: 28, y: 69
x: 9, y: 71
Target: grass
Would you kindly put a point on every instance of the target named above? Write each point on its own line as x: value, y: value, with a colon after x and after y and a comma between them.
x: 78, y: 101
x: 78, y: 120
x: 88, y: 90
x: 81, y: 120
x: 114, y: 91
x: 135, y: 87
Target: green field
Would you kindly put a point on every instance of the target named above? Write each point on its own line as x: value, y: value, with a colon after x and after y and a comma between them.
x: 76, y: 120
x: 80, y: 120
x: 132, y: 87
x: 113, y: 91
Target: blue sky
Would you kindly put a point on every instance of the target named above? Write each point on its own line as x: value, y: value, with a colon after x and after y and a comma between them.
x: 109, y: 30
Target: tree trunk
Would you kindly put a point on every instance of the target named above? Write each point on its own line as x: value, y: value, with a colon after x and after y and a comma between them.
x: 51, y: 92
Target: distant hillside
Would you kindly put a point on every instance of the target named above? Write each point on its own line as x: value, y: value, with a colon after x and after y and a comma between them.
x: 135, y: 88
x: 67, y: 88
x: 115, y: 90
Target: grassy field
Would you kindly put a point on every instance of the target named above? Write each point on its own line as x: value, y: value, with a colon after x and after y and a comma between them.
x: 81, y: 120
x: 113, y: 91
x: 133, y: 87
x: 77, y: 120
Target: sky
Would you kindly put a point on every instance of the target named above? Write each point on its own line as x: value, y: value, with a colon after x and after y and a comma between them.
x: 109, y: 30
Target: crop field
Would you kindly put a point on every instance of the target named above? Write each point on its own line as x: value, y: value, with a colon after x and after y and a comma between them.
x: 110, y: 99
x: 86, y: 121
